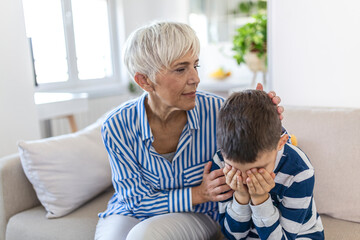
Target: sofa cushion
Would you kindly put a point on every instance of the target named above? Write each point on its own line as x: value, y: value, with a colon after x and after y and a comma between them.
x: 68, y: 170
x: 330, y: 138
x: 336, y: 229
x: 80, y: 224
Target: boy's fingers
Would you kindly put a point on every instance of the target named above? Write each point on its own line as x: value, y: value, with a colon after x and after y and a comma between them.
x: 240, y: 183
x: 237, y: 177
x: 250, y: 185
x: 226, y: 169
x: 255, y: 181
x: 259, y: 178
x: 273, y: 175
x: 229, y: 176
x: 269, y: 182
x: 266, y: 176
x: 234, y: 182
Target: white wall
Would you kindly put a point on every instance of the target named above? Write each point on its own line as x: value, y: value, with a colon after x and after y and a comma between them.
x: 315, y: 52
x: 18, y: 117
x: 140, y: 12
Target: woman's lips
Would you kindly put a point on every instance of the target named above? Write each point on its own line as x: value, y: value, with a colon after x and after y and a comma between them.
x: 190, y: 94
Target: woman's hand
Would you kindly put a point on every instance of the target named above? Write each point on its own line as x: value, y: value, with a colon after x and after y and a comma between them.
x: 213, y: 187
x: 275, y: 99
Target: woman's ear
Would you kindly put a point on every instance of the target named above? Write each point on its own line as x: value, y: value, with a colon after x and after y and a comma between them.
x: 144, y: 82
x: 282, y: 141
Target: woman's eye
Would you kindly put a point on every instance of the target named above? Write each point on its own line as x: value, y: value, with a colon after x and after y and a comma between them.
x: 182, y: 69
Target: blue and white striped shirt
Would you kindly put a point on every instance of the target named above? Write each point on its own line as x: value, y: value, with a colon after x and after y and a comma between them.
x: 289, y: 213
x: 145, y: 183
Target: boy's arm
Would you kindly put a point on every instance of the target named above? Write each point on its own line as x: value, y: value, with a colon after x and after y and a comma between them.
x: 235, y: 219
x: 294, y: 210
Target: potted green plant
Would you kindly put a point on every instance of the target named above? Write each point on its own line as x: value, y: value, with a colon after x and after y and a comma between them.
x: 250, y: 44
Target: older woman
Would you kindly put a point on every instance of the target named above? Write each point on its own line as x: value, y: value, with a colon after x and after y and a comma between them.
x: 160, y: 144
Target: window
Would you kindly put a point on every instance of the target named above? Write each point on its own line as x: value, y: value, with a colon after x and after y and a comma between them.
x: 216, y: 21
x: 73, y: 41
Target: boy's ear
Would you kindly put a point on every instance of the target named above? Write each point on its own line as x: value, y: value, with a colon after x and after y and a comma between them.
x: 144, y: 82
x: 282, y: 141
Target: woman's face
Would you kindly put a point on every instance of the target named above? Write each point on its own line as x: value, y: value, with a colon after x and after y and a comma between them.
x: 175, y: 88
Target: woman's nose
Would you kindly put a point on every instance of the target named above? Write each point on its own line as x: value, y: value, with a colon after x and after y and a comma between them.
x: 194, y: 77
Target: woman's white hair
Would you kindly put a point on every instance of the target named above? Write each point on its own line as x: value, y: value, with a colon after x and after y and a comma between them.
x: 152, y: 48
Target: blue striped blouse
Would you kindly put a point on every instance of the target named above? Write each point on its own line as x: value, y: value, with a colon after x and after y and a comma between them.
x: 145, y: 183
x: 289, y: 212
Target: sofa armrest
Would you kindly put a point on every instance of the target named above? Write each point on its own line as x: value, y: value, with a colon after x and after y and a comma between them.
x: 16, y: 192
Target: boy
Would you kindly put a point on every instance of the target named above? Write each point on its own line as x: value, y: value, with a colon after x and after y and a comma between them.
x: 273, y: 181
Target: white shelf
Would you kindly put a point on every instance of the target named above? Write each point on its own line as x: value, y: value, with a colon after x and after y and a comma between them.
x: 221, y: 85
x: 52, y: 105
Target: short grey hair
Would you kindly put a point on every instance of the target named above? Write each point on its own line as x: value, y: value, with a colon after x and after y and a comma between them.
x: 154, y: 47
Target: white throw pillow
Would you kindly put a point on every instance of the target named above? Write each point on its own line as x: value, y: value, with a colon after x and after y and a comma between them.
x: 68, y: 170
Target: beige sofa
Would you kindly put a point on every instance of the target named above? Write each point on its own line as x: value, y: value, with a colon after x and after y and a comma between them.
x: 330, y: 138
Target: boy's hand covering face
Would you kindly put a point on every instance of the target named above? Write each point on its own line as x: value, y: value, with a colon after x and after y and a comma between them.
x: 259, y: 183
x: 235, y: 181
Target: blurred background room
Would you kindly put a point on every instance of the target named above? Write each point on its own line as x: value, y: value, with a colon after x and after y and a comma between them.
x: 61, y: 67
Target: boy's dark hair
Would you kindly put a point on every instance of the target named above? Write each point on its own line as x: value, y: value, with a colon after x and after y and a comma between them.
x: 248, y: 123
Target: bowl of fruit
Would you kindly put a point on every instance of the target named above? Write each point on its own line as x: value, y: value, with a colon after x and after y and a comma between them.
x: 220, y: 74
